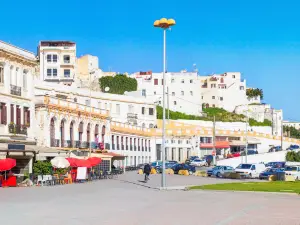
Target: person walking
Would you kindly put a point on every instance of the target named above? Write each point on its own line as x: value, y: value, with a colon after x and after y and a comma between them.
x: 147, y: 170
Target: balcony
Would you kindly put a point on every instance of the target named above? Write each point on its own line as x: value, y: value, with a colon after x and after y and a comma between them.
x: 132, y: 116
x: 54, y: 143
x: 118, y: 147
x: 131, y: 147
x: 122, y: 147
x: 15, y: 90
x: 146, y: 148
x: 134, y: 148
x: 17, y: 129
x: 139, y: 148
x: 113, y: 147
x: 107, y: 146
x: 127, y: 147
x: 149, y: 149
x: 142, y: 148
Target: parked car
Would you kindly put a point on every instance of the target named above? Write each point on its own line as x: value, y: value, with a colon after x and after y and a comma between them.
x: 293, y: 170
x: 250, y: 170
x: 172, y: 162
x: 275, y: 165
x: 275, y: 149
x: 249, y: 152
x: 268, y: 172
x: 219, y: 171
x: 198, y: 162
x: 293, y: 147
x: 168, y: 166
x: 183, y: 166
x: 192, y: 158
x: 233, y: 155
x: 156, y: 163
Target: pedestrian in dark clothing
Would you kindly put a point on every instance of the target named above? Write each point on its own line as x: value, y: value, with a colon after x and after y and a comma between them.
x: 147, y: 171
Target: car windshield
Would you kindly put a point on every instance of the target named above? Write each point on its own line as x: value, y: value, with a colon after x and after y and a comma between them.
x: 217, y: 167
x: 244, y: 166
x: 291, y: 168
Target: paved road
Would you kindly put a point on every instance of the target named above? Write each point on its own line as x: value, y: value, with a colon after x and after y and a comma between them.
x: 124, y: 201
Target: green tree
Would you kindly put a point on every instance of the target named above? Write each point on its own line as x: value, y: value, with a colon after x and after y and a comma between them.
x: 42, y: 167
x: 118, y: 84
x: 254, y: 92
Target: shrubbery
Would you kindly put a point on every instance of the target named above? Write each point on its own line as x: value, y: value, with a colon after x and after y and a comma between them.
x: 220, y: 115
x: 292, y: 156
x: 118, y: 84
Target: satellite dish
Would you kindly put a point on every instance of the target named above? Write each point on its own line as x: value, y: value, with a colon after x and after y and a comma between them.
x: 106, y: 89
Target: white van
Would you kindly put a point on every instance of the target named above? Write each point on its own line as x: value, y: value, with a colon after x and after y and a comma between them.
x: 293, y: 169
x: 250, y: 169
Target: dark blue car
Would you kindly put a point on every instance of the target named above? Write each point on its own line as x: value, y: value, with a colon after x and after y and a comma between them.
x: 183, y: 166
x: 268, y: 172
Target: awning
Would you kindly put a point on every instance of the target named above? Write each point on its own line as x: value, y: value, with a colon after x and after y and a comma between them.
x: 219, y: 144
x: 115, y: 156
x: 237, y: 143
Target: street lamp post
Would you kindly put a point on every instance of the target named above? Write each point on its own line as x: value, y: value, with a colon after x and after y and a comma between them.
x: 164, y: 24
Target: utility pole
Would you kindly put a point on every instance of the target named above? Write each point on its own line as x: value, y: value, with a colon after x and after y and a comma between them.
x: 168, y: 102
x: 214, y: 141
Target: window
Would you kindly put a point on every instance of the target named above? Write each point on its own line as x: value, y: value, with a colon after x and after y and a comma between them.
x: 155, y: 81
x: 242, y: 88
x: 143, y: 110
x: 49, y: 72
x: 191, y: 81
x: 191, y: 92
x: 182, y: 92
x: 67, y: 59
x: 54, y: 72
x: 24, y: 80
x: 154, y: 92
x: 54, y: 58
x: 162, y: 81
x: 213, y: 97
x: 151, y: 111
x: 118, y: 109
x: 159, y: 102
x: 175, y: 103
x: 201, y: 97
x: 221, y: 98
x: 213, y: 85
x: 1, y: 74
x: 49, y: 58
x: 67, y: 73
x: 173, y: 93
x: 233, y: 76
x: 3, y: 113
x: 144, y: 92
x: 182, y: 81
x: 172, y: 80
x: 87, y: 102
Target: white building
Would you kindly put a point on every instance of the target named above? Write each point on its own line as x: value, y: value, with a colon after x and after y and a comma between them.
x: 296, y: 125
x: 183, y: 90
x: 17, y: 68
x: 57, y: 61
x: 225, y: 91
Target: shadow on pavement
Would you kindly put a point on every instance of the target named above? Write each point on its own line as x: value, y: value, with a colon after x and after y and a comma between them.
x: 138, y: 184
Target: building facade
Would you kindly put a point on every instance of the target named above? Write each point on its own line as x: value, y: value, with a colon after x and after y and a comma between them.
x: 182, y: 90
x: 296, y: 125
x: 57, y: 61
x: 17, y: 68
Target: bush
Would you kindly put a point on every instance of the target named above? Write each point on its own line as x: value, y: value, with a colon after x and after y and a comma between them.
x: 293, y: 132
x: 118, y: 84
x: 42, y: 167
x: 292, y: 156
x: 254, y: 92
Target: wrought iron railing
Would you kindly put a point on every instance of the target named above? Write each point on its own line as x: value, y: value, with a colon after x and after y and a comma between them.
x: 54, y: 142
x: 15, y: 90
x: 17, y: 129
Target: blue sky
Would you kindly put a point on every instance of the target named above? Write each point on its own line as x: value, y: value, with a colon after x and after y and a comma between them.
x: 261, y: 39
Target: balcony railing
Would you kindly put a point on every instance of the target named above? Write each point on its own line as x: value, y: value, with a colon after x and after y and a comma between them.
x: 139, y: 148
x: 15, y: 90
x: 17, y: 129
x: 107, y: 146
x: 127, y: 147
x: 142, y: 149
x: 118, y: 147
x: 113, y: 147
x: 54, y: 142
x: 131, y: 147
x: 149, y: 149
x: 132, y: 116
x: 134, y: 148
x: 122, y: 147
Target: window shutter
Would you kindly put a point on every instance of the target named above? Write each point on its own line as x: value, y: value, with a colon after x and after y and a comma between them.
x: 28, y: 118
x: 4, y: 115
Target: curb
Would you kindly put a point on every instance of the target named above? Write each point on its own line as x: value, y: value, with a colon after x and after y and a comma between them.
x: 259, y: 192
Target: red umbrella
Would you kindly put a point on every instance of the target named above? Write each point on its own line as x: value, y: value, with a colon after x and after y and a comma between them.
x: 94, y: 161
x: 83, y: 163
x: 7, y: 164
x: 73, y: 162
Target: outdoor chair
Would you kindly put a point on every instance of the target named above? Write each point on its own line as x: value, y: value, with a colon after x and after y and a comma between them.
x: 68, y: 180
x: 41, y: 180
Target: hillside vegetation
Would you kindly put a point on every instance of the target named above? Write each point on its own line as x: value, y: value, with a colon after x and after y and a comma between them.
x: 220, y: 115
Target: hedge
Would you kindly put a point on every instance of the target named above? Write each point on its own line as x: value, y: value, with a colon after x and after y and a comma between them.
x: 118, y: 84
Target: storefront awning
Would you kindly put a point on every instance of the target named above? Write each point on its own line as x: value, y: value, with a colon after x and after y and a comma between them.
x: 219, y: 144
x: 115, y: 156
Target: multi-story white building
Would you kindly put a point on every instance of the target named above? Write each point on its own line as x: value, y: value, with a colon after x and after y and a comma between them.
x: 17, y: 68
x: 182, y: 90
x: 225, y: 91
x: 57, y: 61
x: 296, y: 125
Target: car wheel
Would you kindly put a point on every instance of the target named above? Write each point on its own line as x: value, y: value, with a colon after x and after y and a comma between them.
x: 218, y: 174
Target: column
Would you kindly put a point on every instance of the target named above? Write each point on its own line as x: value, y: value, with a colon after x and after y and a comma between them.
x: 14, y: 108
x: 7, y: 79
x: 22, y: 114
